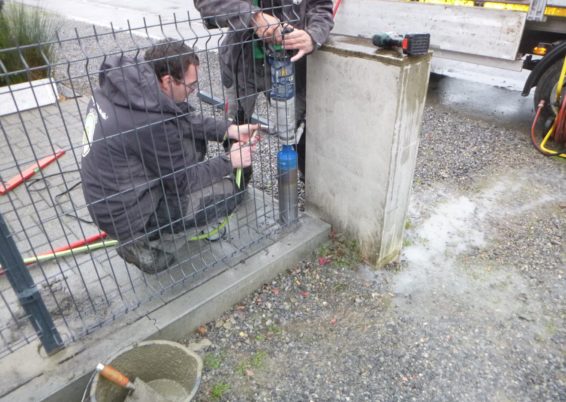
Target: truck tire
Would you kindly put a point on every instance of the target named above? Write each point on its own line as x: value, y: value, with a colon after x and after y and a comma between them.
x: 546, y: 89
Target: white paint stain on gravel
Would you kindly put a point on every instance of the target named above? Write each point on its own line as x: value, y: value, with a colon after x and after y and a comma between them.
x: 441, y: 273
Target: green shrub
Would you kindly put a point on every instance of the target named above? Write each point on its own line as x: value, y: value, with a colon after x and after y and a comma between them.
x: 26, y: 48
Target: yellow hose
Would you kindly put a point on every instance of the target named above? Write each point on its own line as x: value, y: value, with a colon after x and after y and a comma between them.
x: 561, y: 82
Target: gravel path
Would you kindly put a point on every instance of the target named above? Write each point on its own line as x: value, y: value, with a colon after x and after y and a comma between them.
x: 473, y: 310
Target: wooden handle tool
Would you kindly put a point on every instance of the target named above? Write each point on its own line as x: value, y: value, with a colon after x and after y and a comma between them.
x: 115, y: 376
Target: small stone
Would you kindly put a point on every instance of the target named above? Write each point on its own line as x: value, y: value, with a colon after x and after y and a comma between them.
x: 202, y: 331
x: 200, y: 346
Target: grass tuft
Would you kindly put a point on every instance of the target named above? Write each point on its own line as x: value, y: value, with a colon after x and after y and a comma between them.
x: 218, y: 390
x: 27, y: 49
x: 212, y: 361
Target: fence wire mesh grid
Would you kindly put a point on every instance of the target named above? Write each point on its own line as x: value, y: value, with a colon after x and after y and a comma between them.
x: 147, y: 155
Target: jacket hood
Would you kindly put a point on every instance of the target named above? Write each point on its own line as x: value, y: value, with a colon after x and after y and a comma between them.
x: 132, y: 83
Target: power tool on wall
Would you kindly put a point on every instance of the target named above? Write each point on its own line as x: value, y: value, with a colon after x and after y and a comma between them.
x: 415, y: 44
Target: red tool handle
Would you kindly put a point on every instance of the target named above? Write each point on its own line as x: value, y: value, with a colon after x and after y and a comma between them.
x: 78, y: 243
x: 336, y: 8
x: 30, y: 171
x: 70, y: 246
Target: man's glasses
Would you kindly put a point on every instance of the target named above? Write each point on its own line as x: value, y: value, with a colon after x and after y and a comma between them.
x: 191, y: 87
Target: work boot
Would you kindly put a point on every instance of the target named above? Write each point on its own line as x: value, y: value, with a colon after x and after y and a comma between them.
x: 148, y: 259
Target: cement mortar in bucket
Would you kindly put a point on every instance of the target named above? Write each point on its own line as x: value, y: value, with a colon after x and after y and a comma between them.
x: 170, y: 368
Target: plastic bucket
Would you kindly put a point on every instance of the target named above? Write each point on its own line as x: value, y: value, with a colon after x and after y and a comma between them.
x: 168, y: 367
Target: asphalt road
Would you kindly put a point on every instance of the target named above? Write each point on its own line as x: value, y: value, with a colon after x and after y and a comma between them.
x: 482, y: 100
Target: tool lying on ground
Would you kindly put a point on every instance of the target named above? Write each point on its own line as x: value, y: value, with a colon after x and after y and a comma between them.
x: 30, y: 171
x: 91, y: 243
x: 411, y: 44
x: 59, y: 254
x: 557, y: 130
x: 138, y: 390
x: 81, y: 246
x: 78, y: 243
x: 87, y: 245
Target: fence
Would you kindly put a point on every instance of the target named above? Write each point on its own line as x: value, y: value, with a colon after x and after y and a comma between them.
x: 62, y: 277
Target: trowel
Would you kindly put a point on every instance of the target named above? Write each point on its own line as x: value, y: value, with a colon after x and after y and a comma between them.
x: 139, y: 391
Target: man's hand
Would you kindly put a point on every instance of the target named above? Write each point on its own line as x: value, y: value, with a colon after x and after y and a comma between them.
x: 299, y: 40
x: 241, y: 154
x: 241, y: 133
x: 267, y: 27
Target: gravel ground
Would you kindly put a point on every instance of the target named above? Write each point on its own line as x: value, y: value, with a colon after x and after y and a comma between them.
x: 473, y: 310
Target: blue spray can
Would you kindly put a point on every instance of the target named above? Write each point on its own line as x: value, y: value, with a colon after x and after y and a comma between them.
x: 287, y: 169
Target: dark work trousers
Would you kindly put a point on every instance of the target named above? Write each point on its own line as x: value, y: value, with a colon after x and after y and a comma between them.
x: 201, y: 207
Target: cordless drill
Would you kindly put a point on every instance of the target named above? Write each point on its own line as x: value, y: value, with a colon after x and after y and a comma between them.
x: 411, y: 44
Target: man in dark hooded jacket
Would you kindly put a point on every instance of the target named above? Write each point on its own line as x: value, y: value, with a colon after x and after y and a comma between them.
x: 143, y: 165
x: 245, y: 72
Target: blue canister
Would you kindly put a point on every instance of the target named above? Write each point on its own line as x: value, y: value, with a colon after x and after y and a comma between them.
x: 287, y: 170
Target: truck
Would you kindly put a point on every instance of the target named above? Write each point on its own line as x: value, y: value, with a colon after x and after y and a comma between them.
x: 508, y: 34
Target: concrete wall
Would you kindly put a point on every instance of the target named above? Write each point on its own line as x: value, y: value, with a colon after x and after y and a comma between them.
x: 364, y: 115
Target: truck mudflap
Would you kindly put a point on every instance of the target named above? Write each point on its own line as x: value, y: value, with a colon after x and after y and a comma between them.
x: 552, y: 57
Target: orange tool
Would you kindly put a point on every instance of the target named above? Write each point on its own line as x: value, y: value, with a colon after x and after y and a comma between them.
x: 30, y: 171
x: 139, y: 391
x: 111, y: 374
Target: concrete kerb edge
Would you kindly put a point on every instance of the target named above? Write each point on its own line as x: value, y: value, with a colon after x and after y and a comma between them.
x: 218, y: 295
x: 67, y: 379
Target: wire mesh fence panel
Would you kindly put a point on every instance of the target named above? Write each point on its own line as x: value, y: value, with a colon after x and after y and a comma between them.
x: 120, y: 191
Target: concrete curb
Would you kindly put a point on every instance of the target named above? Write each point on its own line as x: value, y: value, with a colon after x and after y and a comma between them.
x: 65, y: 376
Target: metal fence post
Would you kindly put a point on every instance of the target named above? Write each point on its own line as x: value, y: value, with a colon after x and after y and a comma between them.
x: 27, y: 292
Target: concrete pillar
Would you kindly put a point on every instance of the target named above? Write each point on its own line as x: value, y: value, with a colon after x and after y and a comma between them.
x: 364, y: 116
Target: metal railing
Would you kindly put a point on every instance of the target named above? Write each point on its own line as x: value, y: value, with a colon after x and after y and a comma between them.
x: 61, y: 276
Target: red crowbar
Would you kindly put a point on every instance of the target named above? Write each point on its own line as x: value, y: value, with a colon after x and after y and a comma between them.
x: 74, y: 246
x: 78, y: 243
x: 30, y: 171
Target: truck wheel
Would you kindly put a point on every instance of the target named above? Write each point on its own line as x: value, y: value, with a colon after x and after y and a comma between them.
x: 546, y: 89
